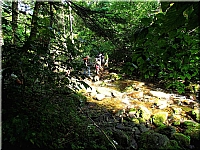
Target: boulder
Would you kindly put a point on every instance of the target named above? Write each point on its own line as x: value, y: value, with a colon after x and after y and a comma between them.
x: 166, y: 130
x: 152, y: 140
x: 100, y: 97
x: 143, y: 112
x: 183, y: 140
x: 160, y: 118
x: 196, y: 114
x: 193, y: 130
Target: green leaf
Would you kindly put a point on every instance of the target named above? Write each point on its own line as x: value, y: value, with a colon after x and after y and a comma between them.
x: 188, y: 76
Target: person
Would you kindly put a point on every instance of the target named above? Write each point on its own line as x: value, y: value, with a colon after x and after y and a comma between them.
x: 86, y: 63
x: 102, y: 60
x: 97, y: 67
x: 98, y: 59
x: 106, y: 60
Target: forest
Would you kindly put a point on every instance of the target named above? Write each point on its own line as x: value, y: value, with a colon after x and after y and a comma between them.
x: 146, y: 95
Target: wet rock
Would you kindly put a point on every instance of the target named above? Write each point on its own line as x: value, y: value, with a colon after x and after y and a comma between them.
x: 121, y: 138
x: 160, y: 118
x: 143, y: 112
x: 176, y: 110
x: 161, y: 103
x: 126, y: 101
x: 136, y: 94
x: 100, y: 97
x: 183, y: 140
x: 161, y: 95
x: 105, y: 91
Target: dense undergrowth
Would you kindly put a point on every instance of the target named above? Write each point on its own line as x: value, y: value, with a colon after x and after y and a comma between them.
x: 47, y: 119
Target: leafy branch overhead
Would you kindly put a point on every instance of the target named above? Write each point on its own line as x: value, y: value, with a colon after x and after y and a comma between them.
x: 98, y: 21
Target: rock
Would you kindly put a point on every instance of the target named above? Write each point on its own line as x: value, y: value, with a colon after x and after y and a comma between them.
x: 166, y: 130
x: 135, y: 120
x: 122, y: 127
x: 159, y: 94
x: 100, y: 97
x: 177, y: 123
x: 133, y: 144
x: 161, y: 103
x: 105, y: 91
x: 196, y: 113
x: 177, y: 111
x: 143, y: 112
x: 132, y: 113
x: 183, y: 140
x: 126, y: 101
x: 121, y: 138
x: 193, y: 130
x: 142, y: 128
x: 136, y: 131
x: 136, y: 94
x: 159, y: 118
x: 152, y: 140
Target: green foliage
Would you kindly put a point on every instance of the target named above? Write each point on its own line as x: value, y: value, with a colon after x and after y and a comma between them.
x: 169, y: 51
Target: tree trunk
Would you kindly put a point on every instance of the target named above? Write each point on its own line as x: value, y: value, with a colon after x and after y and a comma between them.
x: 14, y: 20
x: 71, y: 22
x: 33, y: 26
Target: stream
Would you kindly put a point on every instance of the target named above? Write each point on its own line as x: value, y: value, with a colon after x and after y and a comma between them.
x: 135, y: 112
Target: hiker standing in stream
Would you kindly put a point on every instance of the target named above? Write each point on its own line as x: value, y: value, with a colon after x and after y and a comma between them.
x: 86, y: 65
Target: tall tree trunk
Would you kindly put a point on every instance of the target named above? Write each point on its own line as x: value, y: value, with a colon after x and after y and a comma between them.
x: 14, y: 20
x: 71, y: 22
x: 33, y: 26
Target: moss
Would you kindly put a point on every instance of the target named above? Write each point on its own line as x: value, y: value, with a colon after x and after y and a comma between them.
x: 141, y: 120
x: 136, y: 121
x: 189, y: 123
x: 182, y: 139
x: 194, y: 133
x: 166, y: 130
x: 153, y: 140
x: 173, y: 145
x: 160, y: 118
x: 196, y: 113
x: 177, y: 123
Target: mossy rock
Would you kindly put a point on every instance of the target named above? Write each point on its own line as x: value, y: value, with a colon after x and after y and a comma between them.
x: 196, y: 113
x: 183, y: 140
x: 141, y: 120
x: 194, y: 132
x: 177, y: 123
x: 190, y: 123
x: 166, y: 130
x: 144, y: 113
x: 121, y: 138
x: 173, y: 145
x: 136, y: 121
x: 153, y: 140
x: 160, y: 118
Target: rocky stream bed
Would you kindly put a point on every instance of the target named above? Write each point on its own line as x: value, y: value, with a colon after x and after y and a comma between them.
x: 138, y: 116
